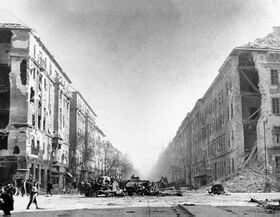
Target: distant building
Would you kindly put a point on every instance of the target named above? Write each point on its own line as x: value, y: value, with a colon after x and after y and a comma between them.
x: 82, y: 137
x: 237, y: 121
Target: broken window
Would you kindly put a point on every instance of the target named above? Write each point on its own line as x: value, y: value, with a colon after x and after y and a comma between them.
x: 23, y: 69
x: 274, y: 76
x: 275, y: 106
x: 276, y: 134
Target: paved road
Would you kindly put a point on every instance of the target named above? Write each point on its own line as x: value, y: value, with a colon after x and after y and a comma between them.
x: 197, y: 204
x: 175, y: 211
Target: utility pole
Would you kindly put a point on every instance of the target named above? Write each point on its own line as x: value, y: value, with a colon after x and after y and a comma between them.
x: 267, y: 186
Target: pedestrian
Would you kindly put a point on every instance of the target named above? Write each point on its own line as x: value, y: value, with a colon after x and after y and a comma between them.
x: 6, y: 199
x: 33, y: 195
x: 49, y: 188
x: 28, y: 187
x: 95, y: 188
x: 23, y: 188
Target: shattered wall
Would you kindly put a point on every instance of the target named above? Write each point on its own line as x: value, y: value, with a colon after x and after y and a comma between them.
x: 265, y: 62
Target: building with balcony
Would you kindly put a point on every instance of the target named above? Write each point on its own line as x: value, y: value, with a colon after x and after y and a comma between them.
x: 236, y: 123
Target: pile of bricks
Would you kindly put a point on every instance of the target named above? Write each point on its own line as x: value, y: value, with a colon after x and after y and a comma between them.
x: 248, y: 180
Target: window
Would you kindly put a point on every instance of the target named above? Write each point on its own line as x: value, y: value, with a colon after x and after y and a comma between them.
x: 277, y: 164
x: 23, y: 68
x: 274, y: 76
x: 276, y: 134
x: 275, y: 106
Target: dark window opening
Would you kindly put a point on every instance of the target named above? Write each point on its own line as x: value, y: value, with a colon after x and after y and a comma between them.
x: 39, y: 121
x: 3, y: 142
x: 274, y: 76
x: 44, y: 124
x: 32, y: 94
x: 16, y: 150
x: 33, y: 120
x: 23, y: 74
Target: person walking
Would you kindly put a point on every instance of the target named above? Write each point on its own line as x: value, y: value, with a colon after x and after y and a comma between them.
x: 23, y: 188
x: 33, y: 195
x: 49, y: 188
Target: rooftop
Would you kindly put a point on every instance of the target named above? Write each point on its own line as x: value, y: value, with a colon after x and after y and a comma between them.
x: 8, y: 20
x: 271, y: 41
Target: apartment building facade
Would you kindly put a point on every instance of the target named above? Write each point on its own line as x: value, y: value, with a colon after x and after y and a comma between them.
x: 236, y: 123
x: 34, y: 140
x: 48, y: 131
x: 82, y: 138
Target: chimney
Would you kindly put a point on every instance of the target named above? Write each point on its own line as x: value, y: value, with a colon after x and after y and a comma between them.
x: 276, y: 32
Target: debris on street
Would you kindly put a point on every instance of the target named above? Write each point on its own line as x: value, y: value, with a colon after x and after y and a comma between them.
x: 269, y: 207
x: 247, y: 181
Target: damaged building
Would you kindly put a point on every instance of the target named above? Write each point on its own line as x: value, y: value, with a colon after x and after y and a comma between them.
x: 48, y: 131
x: 34, y: 107
x: 236, y: 123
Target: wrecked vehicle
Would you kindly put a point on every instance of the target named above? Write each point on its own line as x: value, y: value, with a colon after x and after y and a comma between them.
x: 217, y: 188
x: 135, y: 186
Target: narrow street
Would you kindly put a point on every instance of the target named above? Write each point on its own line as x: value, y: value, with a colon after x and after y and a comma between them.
x: 191, y: 204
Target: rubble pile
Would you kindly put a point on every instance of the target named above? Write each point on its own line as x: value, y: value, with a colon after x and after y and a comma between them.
x: 248, y: 180
x: 270, y: 41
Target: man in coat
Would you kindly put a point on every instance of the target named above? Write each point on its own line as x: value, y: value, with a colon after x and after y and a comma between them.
x: 6, y: 199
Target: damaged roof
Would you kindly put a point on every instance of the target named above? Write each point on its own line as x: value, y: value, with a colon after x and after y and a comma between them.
x: 8, y: 20
x: 271, y: 41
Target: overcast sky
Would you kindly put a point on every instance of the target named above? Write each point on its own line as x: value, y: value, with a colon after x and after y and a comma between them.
x: 142, y: 64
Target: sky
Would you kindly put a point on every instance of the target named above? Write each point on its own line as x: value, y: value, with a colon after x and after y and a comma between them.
x: 142, y: 64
